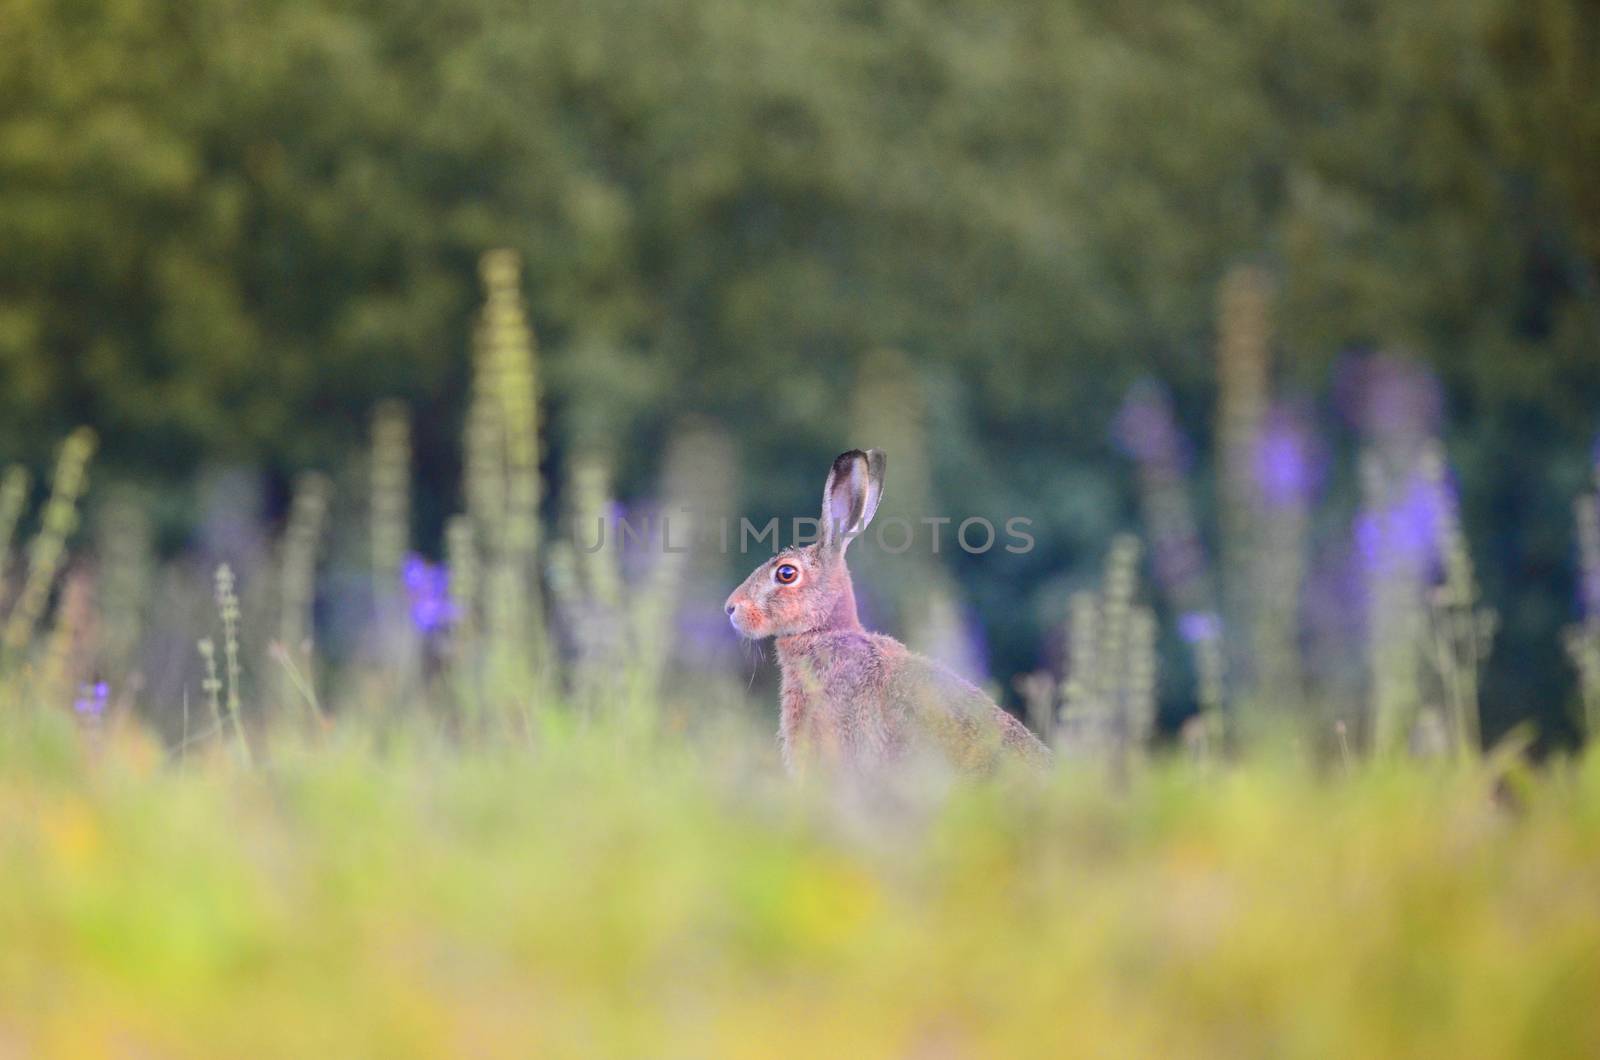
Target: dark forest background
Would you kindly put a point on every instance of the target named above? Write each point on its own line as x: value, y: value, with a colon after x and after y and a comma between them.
x: 229, y: 228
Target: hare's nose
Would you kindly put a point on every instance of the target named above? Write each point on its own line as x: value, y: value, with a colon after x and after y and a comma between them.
x: 732, y: 608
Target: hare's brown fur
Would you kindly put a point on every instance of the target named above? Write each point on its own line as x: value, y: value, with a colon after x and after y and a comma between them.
x: 852, y: 698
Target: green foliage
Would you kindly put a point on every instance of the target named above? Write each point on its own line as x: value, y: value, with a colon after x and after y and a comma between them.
x: 229, y: 228
x: 224, y: 215
x: 619, y: 893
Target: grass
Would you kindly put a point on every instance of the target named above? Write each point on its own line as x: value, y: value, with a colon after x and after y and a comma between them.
x: 623, y: 888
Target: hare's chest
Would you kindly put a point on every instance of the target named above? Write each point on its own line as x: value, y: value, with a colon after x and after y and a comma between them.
x: 833, y: 715
x: 803, y: 726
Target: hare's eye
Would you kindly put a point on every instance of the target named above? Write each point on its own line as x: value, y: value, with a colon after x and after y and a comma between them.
x: 786, y: 573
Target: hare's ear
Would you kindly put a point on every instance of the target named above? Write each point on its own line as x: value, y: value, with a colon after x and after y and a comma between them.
x: 850, y: 498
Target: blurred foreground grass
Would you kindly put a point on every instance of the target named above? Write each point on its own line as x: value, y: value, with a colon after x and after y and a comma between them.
x: 609, y: 889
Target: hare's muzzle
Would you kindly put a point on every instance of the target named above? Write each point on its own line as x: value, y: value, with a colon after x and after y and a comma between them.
x: 739, y: 614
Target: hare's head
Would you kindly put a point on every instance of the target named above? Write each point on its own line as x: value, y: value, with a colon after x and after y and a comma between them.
x: 804, y: 589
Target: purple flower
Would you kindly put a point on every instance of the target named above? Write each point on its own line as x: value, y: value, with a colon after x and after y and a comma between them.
x: 1283, y: 465
x: 1146, y: 430
x: 1589, y: 589
x: 1405, y: 532
x: 92, y: 699
x: 1418, y: 518
x: 1200, y: 627
x: 427, y: 588
x: 1391, y: 401
x: 1368, y: 533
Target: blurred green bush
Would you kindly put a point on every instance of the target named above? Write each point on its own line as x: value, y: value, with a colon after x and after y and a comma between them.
x: 228, y: 228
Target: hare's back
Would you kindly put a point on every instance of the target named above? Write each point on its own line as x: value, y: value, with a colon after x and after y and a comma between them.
x: 955, y: 716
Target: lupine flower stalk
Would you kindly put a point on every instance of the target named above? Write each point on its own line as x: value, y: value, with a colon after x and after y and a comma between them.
x: 461, y: 561
x: 390, y: 499
x: 1085, y: 726
x: 211, y: 684
x: 512, y: 358
x: 49, y: 545
x: 1082, y: 664
x: 1396, y: 405
x: 13, y: 500
x: 1141, y: 677
x: 693, y: 453
x: 595, y: 511
x: 700, y: 473
x: 302, y: 538
x: 228, y: 610
x: 586, y: 579
x: 295, y: 650
x: 1281, y: 501
x: 461, y: 558
x: 389, y: 544
x: 1393, y: 555
x: 504, y: 487
x: 126, y: 555
x: 1109, y: 692
x: 69, y: 649
x: 1243, y: 385
x: 1147, y: 430
x: 1121, y: 582
x: 1583, y: 638
x: 484, y: 469
x: 1462, y: 630
x: 1039, y: 690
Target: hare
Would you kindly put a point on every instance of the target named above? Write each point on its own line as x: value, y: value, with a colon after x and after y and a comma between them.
x: 853, y: 699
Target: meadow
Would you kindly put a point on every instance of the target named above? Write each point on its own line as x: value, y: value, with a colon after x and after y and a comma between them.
x: 624, y: 891
x: 524, y: 803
